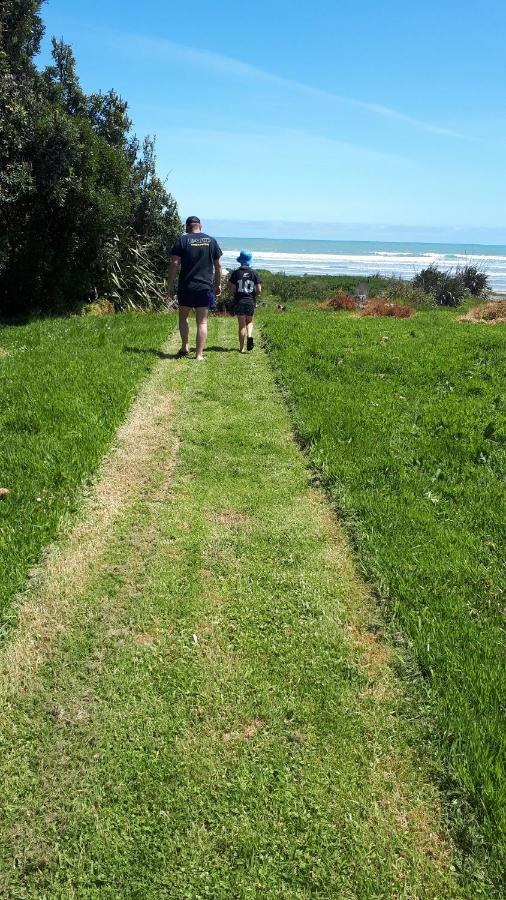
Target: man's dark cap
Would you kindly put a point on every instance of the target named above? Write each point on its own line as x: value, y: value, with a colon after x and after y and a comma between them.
x: 193, y: 220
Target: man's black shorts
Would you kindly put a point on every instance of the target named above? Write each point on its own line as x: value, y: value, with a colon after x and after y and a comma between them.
x: 196, y: 299
x: 244, y: 309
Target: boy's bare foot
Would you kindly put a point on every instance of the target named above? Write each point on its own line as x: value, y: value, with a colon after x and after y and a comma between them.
x: 199, y: 358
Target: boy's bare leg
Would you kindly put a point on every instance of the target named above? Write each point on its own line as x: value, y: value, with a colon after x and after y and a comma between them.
x: 201, y: 314
x: 242, y: 332
x: 184, y: 329
x: 249, y: 325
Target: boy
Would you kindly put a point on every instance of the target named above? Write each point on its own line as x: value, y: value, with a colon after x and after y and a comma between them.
x: 244, y: 286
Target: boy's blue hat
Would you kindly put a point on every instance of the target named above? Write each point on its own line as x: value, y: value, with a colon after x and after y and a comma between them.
x: 245, y: 257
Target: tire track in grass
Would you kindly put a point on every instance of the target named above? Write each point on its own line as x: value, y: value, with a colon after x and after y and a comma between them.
x: 214, y: 714
x: 43, y: 608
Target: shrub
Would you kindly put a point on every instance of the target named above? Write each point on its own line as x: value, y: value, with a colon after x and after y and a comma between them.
x: 401, y: 291
x: 494, y: 312
x: 428, y: 280
x: 447, y: 289
x: 474, y: 280
x: 342, y: 300
x: 450, y: 291
x: 288, y: 288
x: 135, y: 282
x: 380, y: 307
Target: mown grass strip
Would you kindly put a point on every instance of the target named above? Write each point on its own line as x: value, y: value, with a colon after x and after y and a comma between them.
x: 66, y: 386
x: 406, y: 424
x: 218, y: 717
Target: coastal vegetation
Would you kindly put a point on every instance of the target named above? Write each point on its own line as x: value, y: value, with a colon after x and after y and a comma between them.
x: 404, y: 423
x: 432, y: 287
x: 79, y: 195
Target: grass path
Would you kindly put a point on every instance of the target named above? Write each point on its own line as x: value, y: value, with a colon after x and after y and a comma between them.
x: 197, y: 703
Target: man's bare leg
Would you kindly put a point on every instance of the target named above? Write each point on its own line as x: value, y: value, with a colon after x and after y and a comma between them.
x: 201, y: 314
x: 242, y: 333
x: 184, y: 329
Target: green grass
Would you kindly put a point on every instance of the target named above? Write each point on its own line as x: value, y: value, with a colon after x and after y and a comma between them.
x: 405, y: 422
x: 203, y: 725
x: 66, y: 385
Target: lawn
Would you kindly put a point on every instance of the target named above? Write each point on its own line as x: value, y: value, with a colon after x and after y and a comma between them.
x: 212, y: 711
x: 66, y: 385
x: 405, y: 423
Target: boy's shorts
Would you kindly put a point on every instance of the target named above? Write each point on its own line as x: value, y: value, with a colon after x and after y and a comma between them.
x: 197, y: 299
x: 244, y: 309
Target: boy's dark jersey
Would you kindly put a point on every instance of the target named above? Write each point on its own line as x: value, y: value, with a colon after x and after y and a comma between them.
x: 198, y: 253
x: 245, y: 280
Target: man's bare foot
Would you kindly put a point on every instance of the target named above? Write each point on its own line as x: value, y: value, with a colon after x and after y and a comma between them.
x: 199, y: 358
x: 182, y: 352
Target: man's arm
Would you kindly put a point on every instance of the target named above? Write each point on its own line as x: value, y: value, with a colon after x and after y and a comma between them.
x: 217, y: 277
x: 175, y: 262
x: 258, y: 287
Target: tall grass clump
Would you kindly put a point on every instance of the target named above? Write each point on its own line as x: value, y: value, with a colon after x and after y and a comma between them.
x: 475, y: 281
x: 448, y: 288
x: 406, y: 424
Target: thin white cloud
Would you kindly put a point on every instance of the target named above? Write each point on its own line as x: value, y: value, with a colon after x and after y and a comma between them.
x: 285, y: 137
x: 228, y: 65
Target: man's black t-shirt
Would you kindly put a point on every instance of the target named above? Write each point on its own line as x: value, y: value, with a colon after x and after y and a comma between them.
x: 245, y: 280
x: 198, y: 253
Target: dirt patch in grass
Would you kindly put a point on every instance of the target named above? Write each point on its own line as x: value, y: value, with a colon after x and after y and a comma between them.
x: 396, y: 804
x: 232, y: 518
x: 144, y: 640
x: 248, y: 731
x: 486, y: 314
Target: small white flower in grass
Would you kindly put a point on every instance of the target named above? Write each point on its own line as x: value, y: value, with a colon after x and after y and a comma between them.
x: 433, y: 497
x: 195, y: 639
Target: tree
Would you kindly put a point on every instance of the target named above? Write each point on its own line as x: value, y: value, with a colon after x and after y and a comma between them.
x: 74, y: 182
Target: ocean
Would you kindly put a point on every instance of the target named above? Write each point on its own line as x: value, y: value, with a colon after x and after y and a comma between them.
x: 364, y: 257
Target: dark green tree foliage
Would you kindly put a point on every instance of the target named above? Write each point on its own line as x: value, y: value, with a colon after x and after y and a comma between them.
x: 76, y: 193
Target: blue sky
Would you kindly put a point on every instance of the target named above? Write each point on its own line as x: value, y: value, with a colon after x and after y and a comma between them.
x: 379, y: 113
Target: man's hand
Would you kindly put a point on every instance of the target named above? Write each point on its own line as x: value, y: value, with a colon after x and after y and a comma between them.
x: 175, y: 262
x: 217, y: 278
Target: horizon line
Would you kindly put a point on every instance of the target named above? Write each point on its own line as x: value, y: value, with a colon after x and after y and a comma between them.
x: 251, y: 237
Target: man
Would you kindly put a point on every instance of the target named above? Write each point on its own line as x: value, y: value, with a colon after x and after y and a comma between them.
x: 197, y: 256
